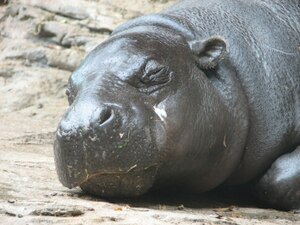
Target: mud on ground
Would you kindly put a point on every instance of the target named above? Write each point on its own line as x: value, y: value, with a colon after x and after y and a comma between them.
x: 41, y: 43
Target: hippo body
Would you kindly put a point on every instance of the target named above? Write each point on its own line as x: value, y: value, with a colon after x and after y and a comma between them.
x: 203, y: 94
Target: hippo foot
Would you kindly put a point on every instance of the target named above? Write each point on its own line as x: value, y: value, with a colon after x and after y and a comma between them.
x: 280, y: 186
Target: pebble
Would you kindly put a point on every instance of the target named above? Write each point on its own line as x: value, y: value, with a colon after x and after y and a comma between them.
x: 11, y: 201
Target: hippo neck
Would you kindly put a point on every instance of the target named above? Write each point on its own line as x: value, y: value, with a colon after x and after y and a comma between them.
x: 225, y: 81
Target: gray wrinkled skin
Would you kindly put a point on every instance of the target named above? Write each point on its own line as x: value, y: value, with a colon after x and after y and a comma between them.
x: 202, y: 94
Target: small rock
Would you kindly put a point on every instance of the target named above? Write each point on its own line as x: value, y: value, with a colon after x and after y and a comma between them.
x: 114, y: 219
x: 162, y: 207
x: 10, y: 213
x: 227, y: 209
x: 11, y: 201
x: 180, y: 207
x: 118, y: 209
x: 13, y: 214
x: 219, y: 216
x: 63, y: 211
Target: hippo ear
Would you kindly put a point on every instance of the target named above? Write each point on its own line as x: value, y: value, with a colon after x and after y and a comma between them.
x: 208, y: 52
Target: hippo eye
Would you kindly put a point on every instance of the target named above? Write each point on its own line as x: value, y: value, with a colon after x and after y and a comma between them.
x: 155, y: 80
x: 155, y: 76
x: 155, y: 73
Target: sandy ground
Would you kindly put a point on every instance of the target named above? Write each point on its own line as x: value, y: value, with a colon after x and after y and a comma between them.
x: 41, y: 43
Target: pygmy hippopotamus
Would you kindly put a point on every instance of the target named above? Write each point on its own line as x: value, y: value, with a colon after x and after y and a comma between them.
x: 202, y: 94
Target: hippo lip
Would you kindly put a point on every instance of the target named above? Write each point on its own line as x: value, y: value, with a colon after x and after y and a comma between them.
x: 132, y: 182
x: 113, y: 173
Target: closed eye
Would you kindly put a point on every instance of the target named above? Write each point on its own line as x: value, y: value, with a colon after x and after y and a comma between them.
x: 158, y: 76
x: 156, y: 82
x: 153, y: 77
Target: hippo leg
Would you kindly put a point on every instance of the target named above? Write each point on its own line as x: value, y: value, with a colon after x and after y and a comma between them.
x: 279, y: 187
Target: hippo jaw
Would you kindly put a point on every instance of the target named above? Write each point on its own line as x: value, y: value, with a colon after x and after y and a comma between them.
x: 94, y: 176
x: 120, y: 184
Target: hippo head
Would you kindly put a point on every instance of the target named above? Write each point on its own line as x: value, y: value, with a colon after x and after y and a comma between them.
x: 132, y: 102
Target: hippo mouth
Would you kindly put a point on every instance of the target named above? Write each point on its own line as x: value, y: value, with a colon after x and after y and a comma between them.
x: 130, y: 183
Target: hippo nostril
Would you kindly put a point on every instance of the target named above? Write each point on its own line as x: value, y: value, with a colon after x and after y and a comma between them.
x: 63, y: 133
x: 105, y: 116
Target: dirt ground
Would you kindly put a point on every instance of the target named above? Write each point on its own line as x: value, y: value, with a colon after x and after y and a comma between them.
x: 41, y: 43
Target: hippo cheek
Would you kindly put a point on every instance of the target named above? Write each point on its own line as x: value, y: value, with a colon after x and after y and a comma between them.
x: 110, y: 162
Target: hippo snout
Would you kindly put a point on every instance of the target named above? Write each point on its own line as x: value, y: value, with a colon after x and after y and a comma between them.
x: 112, y: 148
x: 82, y: 124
